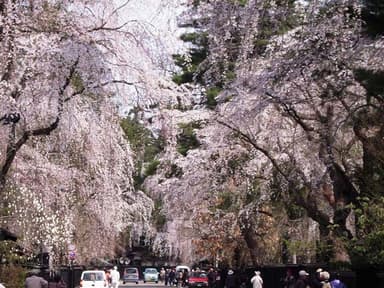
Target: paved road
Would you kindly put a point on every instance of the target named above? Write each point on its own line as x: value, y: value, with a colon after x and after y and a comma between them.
x: 142, y: 285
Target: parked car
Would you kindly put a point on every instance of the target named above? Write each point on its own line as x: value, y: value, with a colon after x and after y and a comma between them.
x: 131, y: 274
x: 198, y: 279
x: 93, y: 279
x: 182, y: 268
x: 151, y: 275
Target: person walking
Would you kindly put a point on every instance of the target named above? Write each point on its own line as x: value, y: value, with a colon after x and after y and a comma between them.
x: 324, y: 277
x: 171, y: 277
x: 230, y: 282
x: 289, y: 280
x: 257, y: 281
x: 162, y: 275
x: 57, y: 282
x: 35, y: 281
x: 302, y: 281
x: 115, y: 278
x: 337, y: 283
x: 211, y: 278
x: 316, y: 281
x: 166, y: 277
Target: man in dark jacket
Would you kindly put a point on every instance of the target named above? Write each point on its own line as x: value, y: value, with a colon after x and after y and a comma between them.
x: 211, y: 278
x: 302, y: 281
x: 230, y: 282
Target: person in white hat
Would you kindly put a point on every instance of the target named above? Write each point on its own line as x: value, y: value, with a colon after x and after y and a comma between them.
x: 302, y: 281
x: 316, y: 282
x: 115, y: 277
x: 257, y: 281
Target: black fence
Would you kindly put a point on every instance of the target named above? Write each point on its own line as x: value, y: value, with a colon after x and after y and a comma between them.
x: 273, y: 276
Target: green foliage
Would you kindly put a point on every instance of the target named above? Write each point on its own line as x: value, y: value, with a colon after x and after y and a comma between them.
x: 190, y: 62
x: 253, y: 194
x: 145, y: 146
x: 196, y: 3
x: 77, y: 82
x: 141, y: 139
x: 275, y: 21
x: 199, y: 39
x: 151, y: 168
x: 184, y: 77
x: 11, y: 252
x: 187, y: 139
x: 158, y: 217
x: 368, y: 246
x: 225, y: 202
x: 294, y: 211
x: 373, y: 17
x: 299, y: 247
x: 12, y: 276
x: 211, y: 94
x: 241, y: 3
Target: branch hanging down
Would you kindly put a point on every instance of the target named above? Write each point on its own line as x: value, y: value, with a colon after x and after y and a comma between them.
x: 14, y: 146
x: 245, y: 137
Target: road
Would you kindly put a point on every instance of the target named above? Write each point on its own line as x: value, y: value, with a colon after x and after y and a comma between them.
x: 142, y: 285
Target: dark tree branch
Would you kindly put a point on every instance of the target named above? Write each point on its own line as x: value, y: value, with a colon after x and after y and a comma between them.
x: 249, y: 140
x: 14, y: 146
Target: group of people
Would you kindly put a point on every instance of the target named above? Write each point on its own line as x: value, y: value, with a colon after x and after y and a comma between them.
x: 34, y: 280
x: 321, y: 279
x: 171, y: 277
x: 113, y: 277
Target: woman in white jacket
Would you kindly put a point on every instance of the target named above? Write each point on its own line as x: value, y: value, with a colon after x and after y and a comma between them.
x: 257, y: 281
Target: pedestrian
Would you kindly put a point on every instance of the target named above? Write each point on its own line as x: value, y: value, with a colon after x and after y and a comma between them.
x: 162, y: 274
x: 115, y: 277
x: 185, y: 276
x: 35, y: 281
x: 230, y: 282
x: 324, y: 277
x: 166, y: 277
x: 57, y: 282
x: 172, y: 276
x: 337, y: 283
x: 257, y: 281
x: 108, y: 276
x: 302, y: 280
x: 316, y: 281
x: 289, y: 280
x: 211, y: 278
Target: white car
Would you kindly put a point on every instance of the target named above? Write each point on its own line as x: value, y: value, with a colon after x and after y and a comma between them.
x: 93, y: 279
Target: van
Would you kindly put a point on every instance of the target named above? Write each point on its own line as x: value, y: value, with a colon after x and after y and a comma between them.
x: 182, y: 268
x: 93, y: 279
x: 131, y: 274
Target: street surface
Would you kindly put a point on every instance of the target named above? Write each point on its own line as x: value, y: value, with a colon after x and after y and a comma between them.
x: 142, y: 285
